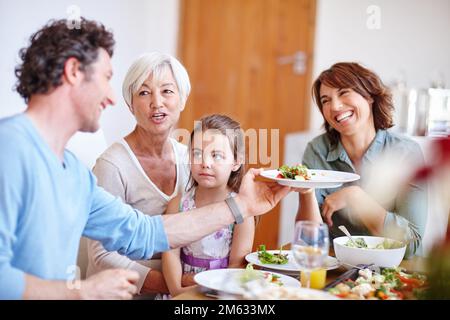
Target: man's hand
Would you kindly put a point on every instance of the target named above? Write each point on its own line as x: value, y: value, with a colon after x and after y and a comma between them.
x: 257, y: 197
x: 110, y: 284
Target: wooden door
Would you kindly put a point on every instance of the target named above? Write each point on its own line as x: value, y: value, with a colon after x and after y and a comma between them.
x: 238, y: 55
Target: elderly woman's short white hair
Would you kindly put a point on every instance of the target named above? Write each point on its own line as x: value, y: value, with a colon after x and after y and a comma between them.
x: 155, y: 63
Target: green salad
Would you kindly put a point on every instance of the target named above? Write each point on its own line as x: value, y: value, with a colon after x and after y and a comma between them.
x: 298, y: 172
x: 391, y: 284
x: 386, y: 244
x: 250, y: 274
x: 271, y: 258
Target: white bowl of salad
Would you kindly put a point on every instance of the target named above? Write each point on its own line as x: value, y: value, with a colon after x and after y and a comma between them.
x: 382, y: 252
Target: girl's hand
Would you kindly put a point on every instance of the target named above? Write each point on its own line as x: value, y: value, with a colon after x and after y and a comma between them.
x: 338, y: 200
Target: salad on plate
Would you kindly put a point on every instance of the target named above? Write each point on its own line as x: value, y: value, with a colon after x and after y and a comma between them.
x: 272, y: 258
x: 390, y: 284
x: 298, y: 172
x: 299, y: 176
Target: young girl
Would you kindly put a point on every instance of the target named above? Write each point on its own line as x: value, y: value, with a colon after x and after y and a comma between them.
x: 216, y: 154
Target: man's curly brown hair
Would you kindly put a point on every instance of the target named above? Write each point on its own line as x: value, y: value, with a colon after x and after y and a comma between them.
x: 43, y: 60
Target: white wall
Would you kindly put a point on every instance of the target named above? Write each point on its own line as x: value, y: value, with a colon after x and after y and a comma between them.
x: 138, y: 25
x: 412, y: 41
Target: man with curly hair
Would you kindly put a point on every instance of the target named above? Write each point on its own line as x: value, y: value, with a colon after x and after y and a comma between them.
x: 48, y: 199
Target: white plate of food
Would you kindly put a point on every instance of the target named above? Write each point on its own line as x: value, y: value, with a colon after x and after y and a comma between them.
x: 291, y: 293
x: 243, y: 281
x: 300, y: 177
x: 289, y: 265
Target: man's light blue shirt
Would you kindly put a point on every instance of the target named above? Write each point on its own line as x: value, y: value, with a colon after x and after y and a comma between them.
x: 46, y: 205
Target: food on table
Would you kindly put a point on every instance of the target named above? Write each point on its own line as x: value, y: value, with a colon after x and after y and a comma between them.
x: 253, y: 282
x: 290, y: 293
x: 391, y: 284
x: 298, y: 172
x: 386, y: 244
x: 271, y: 258
x: 250, y: 275
x: 358, y: 243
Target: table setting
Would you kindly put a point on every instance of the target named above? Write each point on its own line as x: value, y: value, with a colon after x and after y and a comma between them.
x: 312, y: 266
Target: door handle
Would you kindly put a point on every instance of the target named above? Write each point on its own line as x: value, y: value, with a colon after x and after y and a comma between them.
x: 298, y: 60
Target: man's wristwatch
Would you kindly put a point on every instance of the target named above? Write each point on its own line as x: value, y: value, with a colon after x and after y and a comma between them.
x: 235, y: 210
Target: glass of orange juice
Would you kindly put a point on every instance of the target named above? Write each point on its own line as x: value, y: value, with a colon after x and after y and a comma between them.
x: 310, y: 248
x: 317, y: 279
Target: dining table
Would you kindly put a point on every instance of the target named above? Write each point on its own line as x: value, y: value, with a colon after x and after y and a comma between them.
x: 413, y: 264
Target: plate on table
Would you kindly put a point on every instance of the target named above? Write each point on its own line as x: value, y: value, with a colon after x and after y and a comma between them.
x: 319, y: 179
x: 291, y: 267
x: 291, y: 293
x: 398, y: 284
x: 232, y: 281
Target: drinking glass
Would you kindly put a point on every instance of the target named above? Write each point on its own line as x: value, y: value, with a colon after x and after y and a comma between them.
x: 310, y: 246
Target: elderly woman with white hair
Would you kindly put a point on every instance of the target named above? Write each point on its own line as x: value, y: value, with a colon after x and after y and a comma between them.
x: 147, y: 168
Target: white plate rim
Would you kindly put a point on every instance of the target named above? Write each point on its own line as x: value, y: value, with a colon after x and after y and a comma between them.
x: 287, y: 281
x: 331, y: 183
x: 253, y: 259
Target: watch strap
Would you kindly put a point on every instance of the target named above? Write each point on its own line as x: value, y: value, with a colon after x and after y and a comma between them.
x: 235, y: 210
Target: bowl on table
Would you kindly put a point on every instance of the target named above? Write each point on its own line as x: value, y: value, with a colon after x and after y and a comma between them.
x: 351, y: 256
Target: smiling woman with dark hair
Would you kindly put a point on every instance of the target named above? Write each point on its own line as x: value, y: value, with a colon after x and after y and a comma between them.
x: 357, y: 109
x: 362, y: 81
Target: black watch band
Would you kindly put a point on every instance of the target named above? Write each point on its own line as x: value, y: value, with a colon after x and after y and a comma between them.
x: 234, y: 210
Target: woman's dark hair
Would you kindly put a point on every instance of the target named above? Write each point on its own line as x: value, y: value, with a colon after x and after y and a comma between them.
x: 350, y: 75
x: 232, y: 130
x: 43, y: 60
